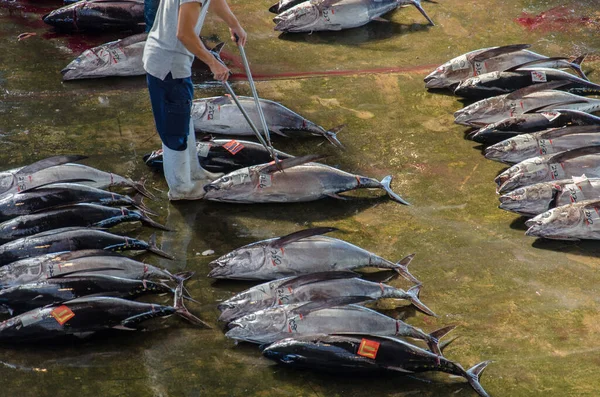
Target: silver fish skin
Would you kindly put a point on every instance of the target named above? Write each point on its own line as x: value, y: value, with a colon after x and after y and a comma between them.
x: 78, y: 264
x: 550, y: 167
x: 491, y: 59
x: 220, y: 115
x: 270, y: 325
x: 301, y: 183
x: 315, y: 291
x: 577, y: 221
x: 535, y: 199
x: 491, y: 110
x: 524, y: 146
x: 319, y: 15
x: 263, y: 260
x: 117, y: 58
x: 98, y: 15
x: 284, y: 5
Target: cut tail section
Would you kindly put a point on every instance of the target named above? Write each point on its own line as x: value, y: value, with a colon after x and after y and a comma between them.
x: 402, y: 268
x: 181, y: 309
x: 152, y: 247
x: 386, y: 184
x: 473, y: 376
x: 413, y: 296
x: 331, y: 136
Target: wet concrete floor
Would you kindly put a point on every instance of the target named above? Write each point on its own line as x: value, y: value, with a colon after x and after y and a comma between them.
x: 528, y: 305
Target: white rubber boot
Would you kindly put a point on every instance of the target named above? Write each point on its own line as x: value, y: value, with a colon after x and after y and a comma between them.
x: 198, y: 173
x: 176, y: 166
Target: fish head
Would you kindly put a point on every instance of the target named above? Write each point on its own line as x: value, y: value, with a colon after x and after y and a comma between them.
x: 238, y: 263
x: 556, y: 223
x: 520, y: 146
x: 470, y: 115
x: 530, y: 200
x: 525, y: 173
x: 234, y: 186
x: 286, y: 351
x: 258, y: 326
x: 297, y: 18
x: 232, y: 311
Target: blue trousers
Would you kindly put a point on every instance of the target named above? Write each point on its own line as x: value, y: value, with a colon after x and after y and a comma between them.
x: 150, y: 9
x: 171, y: 101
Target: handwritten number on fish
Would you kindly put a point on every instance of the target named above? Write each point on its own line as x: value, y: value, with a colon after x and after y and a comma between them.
x: 276, y: 257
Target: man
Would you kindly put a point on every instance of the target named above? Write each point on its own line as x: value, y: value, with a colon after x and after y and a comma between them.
x: 172, y: 44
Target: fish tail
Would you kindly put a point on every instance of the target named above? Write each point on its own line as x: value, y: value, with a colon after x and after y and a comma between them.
x: 140, y: 188
x: 576, y: 65
x: 182, y: 311
x: 138, y: 202
x: 402, y: 268
x: 331, y: 136
x: 386, y: 184
x: 152, y: 247
x: 473, y: 376
x: 150, y: 222
x: 434, y: 339
x: 413, y: 296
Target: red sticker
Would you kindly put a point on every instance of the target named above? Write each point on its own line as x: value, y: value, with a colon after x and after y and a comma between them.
x: 233, y: 147
x: 62, y: 314
x: 368, y: 348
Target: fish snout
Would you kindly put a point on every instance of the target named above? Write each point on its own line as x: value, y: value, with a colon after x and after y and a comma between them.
x: 211, y: 187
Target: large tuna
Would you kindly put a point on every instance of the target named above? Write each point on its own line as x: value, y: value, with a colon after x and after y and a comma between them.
x: 221, y: 115
x: 351, y: 353
x: 316, y: 15
x: 492, y: 59
x: 299, y: 253
x: 524, y: 146
x: 98, y: 15
x: 301, y: 181
x: 577, y: 221
x: 551, y: 167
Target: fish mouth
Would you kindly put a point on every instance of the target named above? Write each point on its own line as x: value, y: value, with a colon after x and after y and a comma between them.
x: 218, y: 272
x: 210, y: 187
x: 509, y: 184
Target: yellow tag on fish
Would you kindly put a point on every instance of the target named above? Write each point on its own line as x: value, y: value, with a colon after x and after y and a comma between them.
x: 368, y: 348
x: 62, y: 314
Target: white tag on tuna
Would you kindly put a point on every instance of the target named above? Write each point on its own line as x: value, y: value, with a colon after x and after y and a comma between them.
x: 591, y: 216
x: 264, y: 180
x: 212, y: 111
x: 550, y: 115
x: 460, y: 63
x: 479, y: 68
x: 240, y: 177
x: 538, y: 76
x: 203, y: 148
x: 556, y: 171
x: 545, y: 146
x: 574, y: 193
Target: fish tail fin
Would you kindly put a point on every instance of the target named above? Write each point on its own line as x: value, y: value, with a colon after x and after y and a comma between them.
x: 274, y: 8
x: 435, y: 336
x: 152, y: 223
x: 402, y: 268
x: 447, y: 343
x: 138, y: 203
x: 577, y: 66
x: 331, y: 136
x: 139, y: 187
x: 182, y: 311
x: 473, y: 376
x: 413, y: 294
x: 386, y: 184
x: 152, y: 247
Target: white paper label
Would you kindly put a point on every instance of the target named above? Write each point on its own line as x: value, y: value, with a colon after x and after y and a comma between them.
x: 213, y: 111
x: 264, y: 180
x: 591, y: 216
x: 574, y: 193
x: 460, y: 63
x: 538, y: 76
x: 550, y: 116
x: 479, y: 68
x: 545, y: 146
x: 110, y: 55
x: 556, y: 171
x: 31, y: 318
x: 203, y: 148
x: 242, y: 176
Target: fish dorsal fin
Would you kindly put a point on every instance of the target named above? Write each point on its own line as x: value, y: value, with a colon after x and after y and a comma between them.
x: 536, y: 62
x: 274, y: 8
x: 553, y: 106
x: 317, y: 277
x: 570, y: 130
x: 136, y: 38
x: 536, y: 88
x: 289, y: 163
x: 47, y: 163
x: 571, y: 154
x: 218, y: 47
x: 319, y: 305
x: 579, y: 116
x: 290, y: 238
x: 494, y: 52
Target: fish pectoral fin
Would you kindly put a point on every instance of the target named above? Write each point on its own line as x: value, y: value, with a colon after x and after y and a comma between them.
x: 290, y: 162
x: 302, y: 234
x: 338, y: 197
x: 400, y: 369
x: 494, y: 52
x: 318, y: 305
x: 83, y: 334
x: 124, y: 328
x: 533, y: 63
x: 379, y: 19
x: 279, y: 131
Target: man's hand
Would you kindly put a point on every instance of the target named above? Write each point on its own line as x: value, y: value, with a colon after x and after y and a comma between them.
x: 241, y: 34
x: 219, y: 71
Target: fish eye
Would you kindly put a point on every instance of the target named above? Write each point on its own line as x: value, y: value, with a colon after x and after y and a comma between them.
x: 251, y: 317
x: 546, y: 214
x: 226, y: 179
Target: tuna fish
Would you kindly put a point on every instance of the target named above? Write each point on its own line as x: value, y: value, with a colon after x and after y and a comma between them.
x: 539, y: 97
x: 497, y: 83
x: 299, y: 253
x: 82, y: 317
x: 302, y: 181
x: 550, y: 167
x: 534, y: 199
x: 284, y: 5
x: 522, y: 147
x: 116, y: 58
x: 316, y: 15
x: 80, y: 263
x: 311, y: 288
x: 271, y: 325
x: 366, y: 353
x: 223, y: 155
x: 58, y: 195
x: 98, y: 15
x: 72, y: 239
x: 577, y: 221
x: 83, y: 215
x: 531, y: 122
x: 220, y: 115
x: 492, y: 59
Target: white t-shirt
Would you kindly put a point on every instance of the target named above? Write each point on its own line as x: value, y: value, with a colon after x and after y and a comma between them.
x: 164, y: 52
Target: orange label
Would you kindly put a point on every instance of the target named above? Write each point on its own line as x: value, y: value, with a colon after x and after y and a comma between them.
x: 368, y: 348
x: 62, y: 314
x: 233, y: 147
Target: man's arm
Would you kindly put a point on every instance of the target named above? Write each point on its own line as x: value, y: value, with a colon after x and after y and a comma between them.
x: 222, y: 10
x: 187, y: 19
